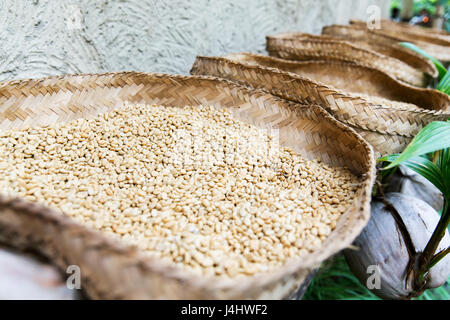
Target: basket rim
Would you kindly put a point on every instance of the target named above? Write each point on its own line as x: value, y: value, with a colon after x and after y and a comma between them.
x: 325, y: 39
x: 391, y: 43
x: 433, y: 43
x: 288, y: 44
x: 226, y: 59
x: 309, y: 261
x: 401, y: 25
x: 354, y: 64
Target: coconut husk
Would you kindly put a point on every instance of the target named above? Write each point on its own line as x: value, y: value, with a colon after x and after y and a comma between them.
x: 398, y: 231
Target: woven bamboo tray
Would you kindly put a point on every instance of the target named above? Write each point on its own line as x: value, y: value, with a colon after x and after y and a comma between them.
x: 301, y: 47
x: 112, y: 270
x: 376, y: 105
x: 367, y: 39
x: 401, y: 26
x: 436, y: 45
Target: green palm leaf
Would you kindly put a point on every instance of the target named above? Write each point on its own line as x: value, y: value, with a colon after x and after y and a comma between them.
x: 444, y: 84
x: 435, y: 136
x: 422, y: 166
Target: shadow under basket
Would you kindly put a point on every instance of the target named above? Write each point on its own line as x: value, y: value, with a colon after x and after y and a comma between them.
x: 385, y: 112
x: 302, y: 46
x: 111, y: 269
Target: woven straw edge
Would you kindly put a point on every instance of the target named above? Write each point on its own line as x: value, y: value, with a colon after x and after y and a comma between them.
x: 330, y: 88
x: 352, y: 65
x: 308, y: 262
x: 403, y: 25
x: 326, y: 40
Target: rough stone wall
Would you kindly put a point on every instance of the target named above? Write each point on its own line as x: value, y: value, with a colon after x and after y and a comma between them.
x: 49, y: 37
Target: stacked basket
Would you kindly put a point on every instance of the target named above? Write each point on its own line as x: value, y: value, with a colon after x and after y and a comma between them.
x: 436, y: 43
x: 364, y: 78
x: 412, y: 69
x: 401, y: 27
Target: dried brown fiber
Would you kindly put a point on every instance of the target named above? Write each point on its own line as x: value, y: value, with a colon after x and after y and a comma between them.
x: 433, y: 41
x: 387, y: 113
x: 370, y: 40
x: 302, y: 46
x: 402, y: 26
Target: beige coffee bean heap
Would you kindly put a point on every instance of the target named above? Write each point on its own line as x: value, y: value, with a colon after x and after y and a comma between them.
x: 192, y: 186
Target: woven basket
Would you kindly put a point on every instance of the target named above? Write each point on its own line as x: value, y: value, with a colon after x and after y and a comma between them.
x: 301, y: 46
x: 436, y: 45
x: 113, y: 270
x: 365, y: 38
x: 363, y: 98
x: 402, y: 26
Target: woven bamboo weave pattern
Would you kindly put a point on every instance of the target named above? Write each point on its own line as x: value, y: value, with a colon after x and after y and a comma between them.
x: 299, y: 46
x: 115, y: 271
x: 435, y: 42
x: 401, y: 26
x: 367, y: 39
x: 361, y: 100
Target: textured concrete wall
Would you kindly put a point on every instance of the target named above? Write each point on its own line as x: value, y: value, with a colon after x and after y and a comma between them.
x: 48, y: 37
